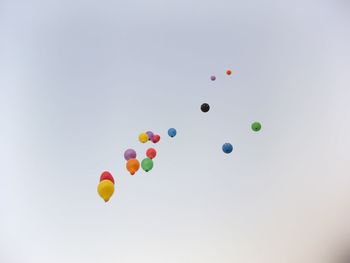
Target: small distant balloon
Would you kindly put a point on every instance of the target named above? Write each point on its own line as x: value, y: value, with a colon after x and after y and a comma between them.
x: 143, y: 137
x: 147, y: 164
x: 151, y: 153
x: 130, y: 154
x: 228, y: 72
x: 227, y: 147
x: 132, y: 166
x: 155, y: 138
x: 212, y: 78
x: 172, y: 132
x: 150, y: 135
x: 106, y: 176
x: 205, y: 107
x: 256, y: 126
x: 105, y: 189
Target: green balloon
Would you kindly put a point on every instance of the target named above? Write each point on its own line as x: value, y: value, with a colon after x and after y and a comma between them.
x: 256, y: 126
x: 147, y: 164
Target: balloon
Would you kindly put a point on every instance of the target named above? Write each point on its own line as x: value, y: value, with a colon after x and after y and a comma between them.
x: 155, y: 138
x: 205, y: 107
x: 132, y: 166
x: 227, y: 147
x: 107, y: 176
x: 172, y: 132
x: 256, y: 126
x: 147, y: 164
x: 151, y: 153
x: 130, y: 154
x: 213, y: 78
x: 150, y: 135
x: 143, y: 137
x: 105, y: 189
x: 228, y: 72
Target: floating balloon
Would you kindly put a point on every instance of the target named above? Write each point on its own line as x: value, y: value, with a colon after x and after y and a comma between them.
x: 172, y: 132
x: 205, y: 107
x: 155, y: 138
x: 151, y: 153
x: 256, y: 126
x: 227, y: 147
x: 228, y: 72
x: 130, y: 154
x: 143, y: 137
x: 212, y: 78
x: 132, y: 166
x: 150, y: 135
x: 105, y: 189
x: 147, y: 164
x: 107, y: 176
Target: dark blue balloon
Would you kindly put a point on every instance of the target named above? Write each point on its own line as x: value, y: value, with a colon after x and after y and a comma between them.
x: 172, y: 132
x: 227, y: 147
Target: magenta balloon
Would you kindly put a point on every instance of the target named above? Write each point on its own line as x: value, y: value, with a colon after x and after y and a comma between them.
x: 150, y: 135
x: 130, y: 154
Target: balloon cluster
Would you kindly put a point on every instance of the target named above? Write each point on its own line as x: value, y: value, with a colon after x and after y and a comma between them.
x: 132, y: 164
x: 255, y: 126
x: 106, y: 186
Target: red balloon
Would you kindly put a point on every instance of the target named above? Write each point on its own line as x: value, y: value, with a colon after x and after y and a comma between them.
x: 151, y: 153
x: 107, y: 176
x: 155, y: 138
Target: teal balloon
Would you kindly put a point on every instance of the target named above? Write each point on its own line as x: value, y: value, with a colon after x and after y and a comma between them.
x: 147, y: 164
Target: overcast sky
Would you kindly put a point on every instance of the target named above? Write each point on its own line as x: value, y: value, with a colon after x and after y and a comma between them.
x: 79, y: 81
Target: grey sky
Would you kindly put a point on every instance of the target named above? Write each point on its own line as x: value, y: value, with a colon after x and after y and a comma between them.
x: 79, y: 81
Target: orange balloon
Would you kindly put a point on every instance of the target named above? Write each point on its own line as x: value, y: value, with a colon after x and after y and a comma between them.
x: 132, y: 166
x: 228, y: 72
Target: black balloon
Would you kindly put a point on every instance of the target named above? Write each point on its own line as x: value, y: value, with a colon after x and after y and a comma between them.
x: 205, y: 107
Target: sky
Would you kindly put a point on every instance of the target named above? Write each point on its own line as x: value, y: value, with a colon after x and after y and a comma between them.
x: 80, y: 80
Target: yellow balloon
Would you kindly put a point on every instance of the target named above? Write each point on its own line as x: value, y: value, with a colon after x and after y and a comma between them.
x: 105, y: 189
x: 143, y: 137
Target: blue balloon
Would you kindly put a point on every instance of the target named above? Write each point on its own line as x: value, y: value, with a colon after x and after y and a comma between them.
x: 172, y: 132
x: 227, y: 147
